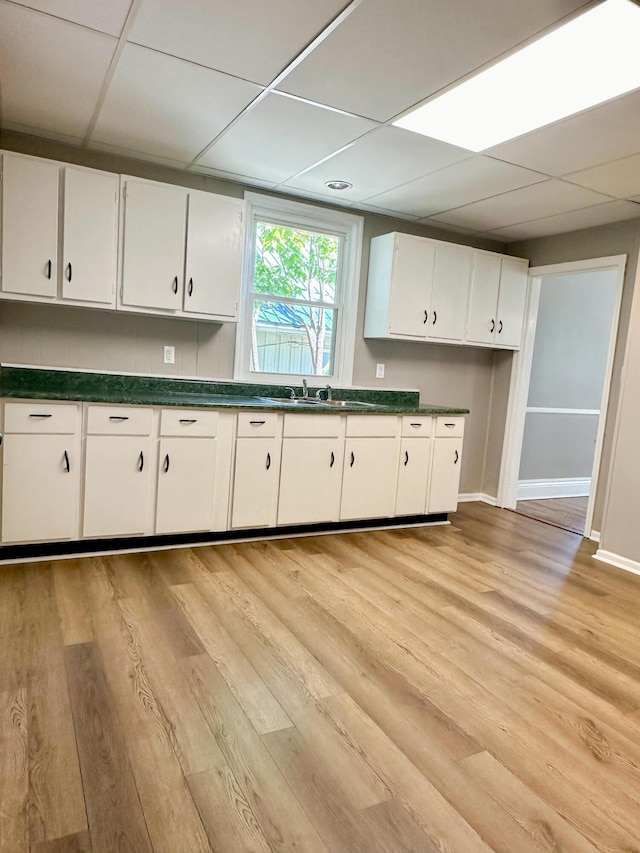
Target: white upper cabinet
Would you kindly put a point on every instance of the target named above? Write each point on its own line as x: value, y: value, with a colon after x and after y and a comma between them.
x: 214, y: 255
x: 153, y: 245
x: 89, y: 236
x: 429, y: 290
x: 497, y: 301
x: 29, y: 226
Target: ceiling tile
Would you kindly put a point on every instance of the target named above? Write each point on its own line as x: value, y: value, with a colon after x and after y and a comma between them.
x: 382, y: 211
x: 281, y: 136
x: 41, y: 87
x: 544, y: 199
x: 463, y: 183
x: 253, y: 40
x: 107, y: 17
x: 231, y: 176
x: 137, y: 155
x: 166, y: 107
x: 621, y: 178
x: 379, y: 161
x: 390, y: 54
x: 607, y: 132
x: 588, y: 217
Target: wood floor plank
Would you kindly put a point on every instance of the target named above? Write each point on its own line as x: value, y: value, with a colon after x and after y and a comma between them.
x: 14, y: 771
x: 80, y: 843
x: 75, y: 617
x: 115, y: 816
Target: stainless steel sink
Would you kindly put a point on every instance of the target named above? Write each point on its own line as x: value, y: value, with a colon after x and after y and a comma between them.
x: 297, y: 401
x: 352, y: 404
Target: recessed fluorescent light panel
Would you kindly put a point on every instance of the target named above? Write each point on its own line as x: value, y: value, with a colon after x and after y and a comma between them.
x: 590, y: 59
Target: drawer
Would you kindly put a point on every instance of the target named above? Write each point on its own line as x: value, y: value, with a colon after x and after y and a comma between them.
x: 189, y: 422
x: 49, y: 418
x: 119, y: 420
x: 446, y: 425
x: 258, y: 424
x: 416, y: 425
x: 372, y: 425
x: 311, y: 426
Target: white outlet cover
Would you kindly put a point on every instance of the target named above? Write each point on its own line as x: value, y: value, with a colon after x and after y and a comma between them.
x: 379, y: 371
x: 169, y: 355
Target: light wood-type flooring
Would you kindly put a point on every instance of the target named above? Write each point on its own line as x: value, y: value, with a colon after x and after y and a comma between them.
x: 460, y: 689
x: 568, y: 513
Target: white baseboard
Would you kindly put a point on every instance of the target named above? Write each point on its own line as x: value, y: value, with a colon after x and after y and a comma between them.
x: 612, y: 559
x: 594, y: 536
x: 565, y: 487
x: 477, y: 496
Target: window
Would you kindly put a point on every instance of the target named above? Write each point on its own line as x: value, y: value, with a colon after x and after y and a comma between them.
x: 298, y: 310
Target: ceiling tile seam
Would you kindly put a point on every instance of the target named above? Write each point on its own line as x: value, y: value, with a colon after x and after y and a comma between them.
x: 297, y: 60
x: 327, y: 158
x: 128, y: 24
x: 486, y: 232
x: 30, y: 9
x: 322, y: 106
x: 567, y: 175
x: 494, y: 60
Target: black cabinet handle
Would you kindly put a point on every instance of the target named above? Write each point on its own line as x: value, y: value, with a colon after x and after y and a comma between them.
x: 118, y: 417
x: 175, y: 284
x: 190, y: 288
x: 67, y: 464
x: 333, y: 459
x: 166, y: 463
x: 49, y: 269
x: 450, y: 425
x: 435, y: 317
x: 69, y: 271
x: 416, y: 425
x: 141, y: 461
x: 406, y: 457
x: 353, y: 459
x: 40, y: 416
x: 426, y: 317
x: 188, y: 420
x: 455, y: 461
x: 500, y: 327
x: 268, y: 461
x: 257, y: 423
x: 493, y: 325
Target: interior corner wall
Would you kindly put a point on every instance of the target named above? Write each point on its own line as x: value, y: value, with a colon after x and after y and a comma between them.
x: 62, y: 336
x: 619, y: 238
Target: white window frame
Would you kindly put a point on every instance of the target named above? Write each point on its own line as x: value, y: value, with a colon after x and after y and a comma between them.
x: 296, y: 214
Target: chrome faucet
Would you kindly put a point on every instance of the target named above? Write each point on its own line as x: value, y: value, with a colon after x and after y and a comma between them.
x: 305, y: 389
x: 326, y: 391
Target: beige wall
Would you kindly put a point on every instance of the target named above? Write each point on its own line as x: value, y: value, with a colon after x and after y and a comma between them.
x: 60, y: 336
x: 620, y: 238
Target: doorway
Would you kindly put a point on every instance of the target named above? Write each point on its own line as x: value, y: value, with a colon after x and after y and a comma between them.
x: 559, y: 393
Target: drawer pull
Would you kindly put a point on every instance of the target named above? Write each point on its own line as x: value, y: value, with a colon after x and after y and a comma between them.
x: 141, y: 461
x: 188, y: 420
x: 353, y: 459
x: 175, y: 284
x: 268, y: 461
x: 450, y: 425
x: 455, y: 461
x: 416, y: 425
x: 40, y: 416
x: 166, y: 463
x: 257, y: 423
x: 118, y: 417
x: 67, y: 463
x: 333, y: 459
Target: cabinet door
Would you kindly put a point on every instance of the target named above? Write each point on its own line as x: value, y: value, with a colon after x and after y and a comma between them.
x: 451, y: 278
x: 310, y: 479
x: 116, y: 489
x: 412, y: 279
x: 41, y: 485
x: 29, y: 226
x: 255, y: 482
x: 483, y: 300
x: 514, y: 279
x: 154, y: 240
x: 369, y: 478
x: 413, y: 476
x: 186, y: 479
x: 445, y: 475
x: 89, y: 236
x: 214, y: 255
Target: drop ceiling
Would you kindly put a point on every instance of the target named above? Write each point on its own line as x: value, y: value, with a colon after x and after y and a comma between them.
x: 288, y: 95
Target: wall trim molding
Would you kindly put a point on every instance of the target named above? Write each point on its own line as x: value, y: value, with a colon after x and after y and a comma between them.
x: 561, y: 487
x: 468, y: 497
x: 616, y: 560
x: 595, y: 536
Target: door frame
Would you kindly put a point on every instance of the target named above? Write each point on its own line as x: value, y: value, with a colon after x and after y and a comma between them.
x: 521, y: 374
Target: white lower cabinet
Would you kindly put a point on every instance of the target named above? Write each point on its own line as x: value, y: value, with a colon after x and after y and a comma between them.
x: 255, y: 482
x: 40, y: 472
x: 370, y: 469
x: 413, y: 476
x: 186, y: 480
x: 445, y: 467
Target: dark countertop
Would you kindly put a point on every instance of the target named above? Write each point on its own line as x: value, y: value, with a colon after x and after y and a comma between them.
x: 41, y: 384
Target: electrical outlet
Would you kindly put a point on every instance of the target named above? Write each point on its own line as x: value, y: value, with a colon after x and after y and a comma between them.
x: 379, y: 371
x: 169, y: 355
